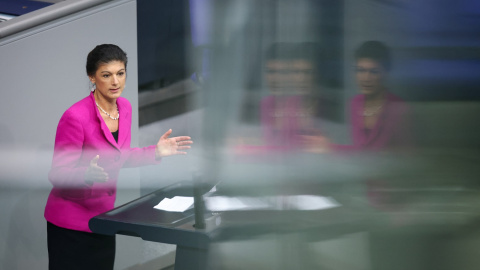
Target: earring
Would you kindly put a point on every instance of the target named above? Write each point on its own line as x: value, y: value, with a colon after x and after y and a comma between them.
x: 93, y: 86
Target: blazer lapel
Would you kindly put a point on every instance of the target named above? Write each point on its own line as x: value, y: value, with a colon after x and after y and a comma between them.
x: 375, y: 132
x: 106, y: 132
x: 359, y: 121
x: 381, y: 121
x: 123, y: 124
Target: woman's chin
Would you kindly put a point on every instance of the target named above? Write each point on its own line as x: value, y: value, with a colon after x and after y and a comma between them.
x: 369, y: 91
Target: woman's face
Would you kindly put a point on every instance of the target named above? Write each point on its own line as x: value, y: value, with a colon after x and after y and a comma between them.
x: 277, y: 74
x: 289, y: 77
x: 110, y: 79
x: 370, y: 76
x: 302, y: 76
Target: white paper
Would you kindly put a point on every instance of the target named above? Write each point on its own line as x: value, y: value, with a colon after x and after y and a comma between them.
x: 311, y: 202
x: 175, y: 204
x: 221, y: 203
x: 295, y: 202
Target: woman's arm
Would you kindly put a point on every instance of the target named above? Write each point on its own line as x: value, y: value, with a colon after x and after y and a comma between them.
x: 66, y: 171
x: 153, y: 154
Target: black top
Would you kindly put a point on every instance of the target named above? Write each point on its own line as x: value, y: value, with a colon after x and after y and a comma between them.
x: 115, y: 135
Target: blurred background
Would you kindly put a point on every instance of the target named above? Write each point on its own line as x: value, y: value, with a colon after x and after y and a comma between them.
x: 265, y: 89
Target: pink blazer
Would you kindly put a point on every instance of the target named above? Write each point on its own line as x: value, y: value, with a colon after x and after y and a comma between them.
x: 81, y: 135
x: 287, y: 134
x: 392, y: 129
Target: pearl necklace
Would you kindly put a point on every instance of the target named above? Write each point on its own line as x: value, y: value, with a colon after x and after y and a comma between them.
x: 113, y: 118
x: 371, y: 112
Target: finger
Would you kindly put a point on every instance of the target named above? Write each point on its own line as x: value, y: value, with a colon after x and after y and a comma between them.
x: 182, y: 138
x: 101, y: 177
x: 96, y: 174
x: 94, y: 161
x: 165, y: 136
x: 100, y: 174
x: 184, y: 147
x: 180, y: 153
x: 97, y: 169
x: 180, y: 143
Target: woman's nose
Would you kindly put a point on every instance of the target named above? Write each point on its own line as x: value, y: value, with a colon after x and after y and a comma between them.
x: 115, y: 79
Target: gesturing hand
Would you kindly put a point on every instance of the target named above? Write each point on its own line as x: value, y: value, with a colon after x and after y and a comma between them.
x: 171, y: 146
x: 315, y: 143
x: 95, y: 173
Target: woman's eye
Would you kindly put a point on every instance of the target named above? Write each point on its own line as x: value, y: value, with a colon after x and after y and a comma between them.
x: 360, y: 70
x: 121, y: 73
x: 105, y: 76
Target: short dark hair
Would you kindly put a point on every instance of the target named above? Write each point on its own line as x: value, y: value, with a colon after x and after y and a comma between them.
x: 375, y: 50
x: 103, y: 54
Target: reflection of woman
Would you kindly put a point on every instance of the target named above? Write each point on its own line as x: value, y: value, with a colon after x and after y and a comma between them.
x: 288, y: 110
x: 378, y: 117
x: 91, y: 145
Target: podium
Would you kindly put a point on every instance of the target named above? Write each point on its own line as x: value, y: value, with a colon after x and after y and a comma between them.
x: 139, y: 218
x: 451, y: 212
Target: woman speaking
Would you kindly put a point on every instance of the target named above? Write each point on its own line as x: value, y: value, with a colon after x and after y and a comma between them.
x: 92, y: 143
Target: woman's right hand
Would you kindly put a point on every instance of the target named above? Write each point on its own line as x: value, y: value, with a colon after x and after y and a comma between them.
x: 95, y: 173
x: 317, y: 144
